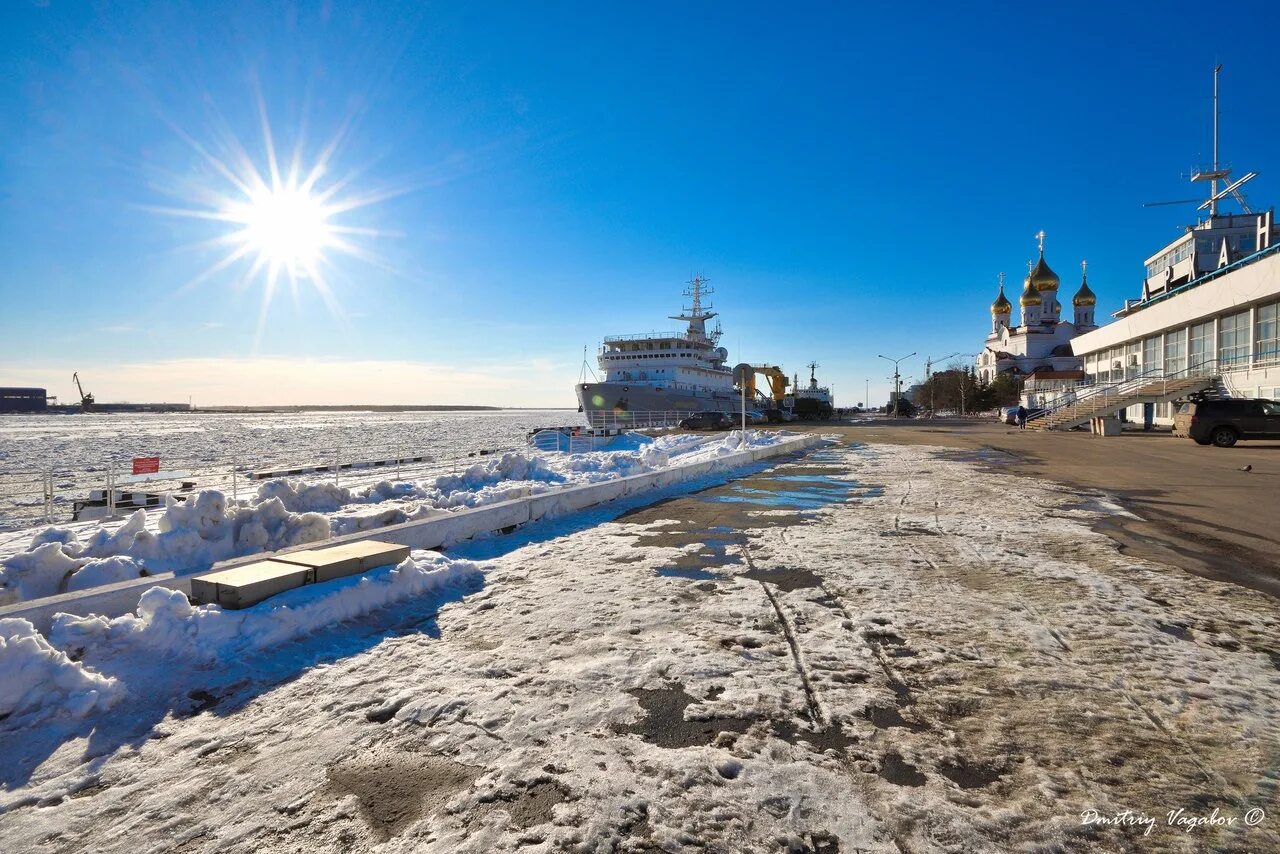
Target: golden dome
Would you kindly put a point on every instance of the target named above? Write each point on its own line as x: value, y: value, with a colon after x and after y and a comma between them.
x: 1043, y: 278
x: 1030, y: 296
x: 1002, y: 304
x: 1084, y: 296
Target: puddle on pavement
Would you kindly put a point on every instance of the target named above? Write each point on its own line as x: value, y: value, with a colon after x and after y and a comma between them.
x: 813, y: 498
x: 693, y: 574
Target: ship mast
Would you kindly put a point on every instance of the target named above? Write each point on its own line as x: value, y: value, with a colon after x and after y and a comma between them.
x: 813, y: 379
x: 697, y: 314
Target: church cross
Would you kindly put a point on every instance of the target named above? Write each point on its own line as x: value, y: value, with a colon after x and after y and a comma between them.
x: 1040, y: 237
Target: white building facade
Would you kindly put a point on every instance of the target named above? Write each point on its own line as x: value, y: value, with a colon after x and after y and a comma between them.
x: 1210, y: 304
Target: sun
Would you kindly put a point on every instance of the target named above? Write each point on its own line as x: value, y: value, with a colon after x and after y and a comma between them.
x: 285, y: 226
x: 277, y: 219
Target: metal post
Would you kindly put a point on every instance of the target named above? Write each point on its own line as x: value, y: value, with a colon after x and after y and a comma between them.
x: 48, y: 497
x: 235, y: 486
x: 337, y: 453
x: 111, y: 492
x: 744, y: 415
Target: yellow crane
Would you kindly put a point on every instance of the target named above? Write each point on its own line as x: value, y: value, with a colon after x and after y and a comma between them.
x: 778, y: 382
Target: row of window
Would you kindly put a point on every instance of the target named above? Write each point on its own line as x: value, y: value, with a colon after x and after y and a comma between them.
x: 1192, y: 347
x: 646, y: 355
x: 1206, y: 247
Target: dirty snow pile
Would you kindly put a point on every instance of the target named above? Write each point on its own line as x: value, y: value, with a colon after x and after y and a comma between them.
x: 150, y: 653
x: 208, y: 527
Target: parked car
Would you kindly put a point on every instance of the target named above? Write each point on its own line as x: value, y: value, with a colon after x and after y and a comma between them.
x: 1007, y: 414
x: 1225, y: 422
x: 707, y: 421
x: 756, y: 417
x: 779, y: 416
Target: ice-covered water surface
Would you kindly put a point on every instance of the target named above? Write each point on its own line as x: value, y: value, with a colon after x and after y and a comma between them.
x: 85, y: 442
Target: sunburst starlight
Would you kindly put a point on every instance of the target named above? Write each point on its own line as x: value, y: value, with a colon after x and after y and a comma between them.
x: 277, y: 224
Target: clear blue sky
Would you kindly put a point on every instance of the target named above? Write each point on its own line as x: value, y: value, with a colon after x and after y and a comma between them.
x: 851, y: 177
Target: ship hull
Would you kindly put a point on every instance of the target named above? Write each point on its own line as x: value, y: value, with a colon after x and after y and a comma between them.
x: 618, y: 404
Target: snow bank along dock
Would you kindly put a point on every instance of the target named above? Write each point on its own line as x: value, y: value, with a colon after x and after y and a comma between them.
x: 439, y: 529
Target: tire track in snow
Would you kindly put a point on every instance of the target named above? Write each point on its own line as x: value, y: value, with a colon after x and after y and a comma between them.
x: 817, y: 712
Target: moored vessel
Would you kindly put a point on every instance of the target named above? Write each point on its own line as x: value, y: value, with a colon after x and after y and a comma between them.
x: 652, y: 378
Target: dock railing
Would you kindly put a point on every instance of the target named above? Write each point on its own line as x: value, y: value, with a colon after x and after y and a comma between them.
x: 110, y: 489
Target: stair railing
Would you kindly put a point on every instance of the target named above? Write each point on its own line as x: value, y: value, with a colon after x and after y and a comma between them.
x: 1128, y: 387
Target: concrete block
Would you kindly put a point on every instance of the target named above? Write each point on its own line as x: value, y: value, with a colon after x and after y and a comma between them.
x: 346, y: 559
x: 249, y: 584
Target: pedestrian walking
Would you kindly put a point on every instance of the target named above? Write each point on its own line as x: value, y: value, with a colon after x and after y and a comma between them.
x: 1022, y: 417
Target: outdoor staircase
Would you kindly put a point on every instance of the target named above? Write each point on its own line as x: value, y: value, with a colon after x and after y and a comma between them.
x: 1110, y: 398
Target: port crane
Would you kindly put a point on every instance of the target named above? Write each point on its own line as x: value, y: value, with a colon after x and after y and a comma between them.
x: 86, y: 400
x: 778, y: 382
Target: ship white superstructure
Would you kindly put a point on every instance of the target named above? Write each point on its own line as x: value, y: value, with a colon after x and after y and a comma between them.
x: 650, y: 376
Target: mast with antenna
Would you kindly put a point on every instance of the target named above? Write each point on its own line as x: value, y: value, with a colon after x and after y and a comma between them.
x: 1217, y: 172
x: 697, y: 315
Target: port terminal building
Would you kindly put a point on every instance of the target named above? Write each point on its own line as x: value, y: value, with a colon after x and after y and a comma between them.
x: 1207, y: 316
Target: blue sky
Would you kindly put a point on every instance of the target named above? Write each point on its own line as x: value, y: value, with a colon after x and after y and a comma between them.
x: 850, y: 177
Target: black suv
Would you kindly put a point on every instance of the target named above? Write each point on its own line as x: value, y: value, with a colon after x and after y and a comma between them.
x: 707, y: 421
x: 1224, y: 422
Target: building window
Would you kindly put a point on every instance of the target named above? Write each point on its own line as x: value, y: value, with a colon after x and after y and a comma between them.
x: 1233, y: 339
x: 1152, y: 354
x: 1175, y: 352
x: 1268, y: 349
x: 1200, y: 345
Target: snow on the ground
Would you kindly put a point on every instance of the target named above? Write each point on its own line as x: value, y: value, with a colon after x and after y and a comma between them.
x: 190, y: 536
x: 875, y: 649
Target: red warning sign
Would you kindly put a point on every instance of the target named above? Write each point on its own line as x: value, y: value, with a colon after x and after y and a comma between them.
x: 146, y: 465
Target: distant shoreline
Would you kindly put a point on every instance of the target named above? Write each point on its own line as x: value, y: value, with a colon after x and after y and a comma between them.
x: 128, y: 409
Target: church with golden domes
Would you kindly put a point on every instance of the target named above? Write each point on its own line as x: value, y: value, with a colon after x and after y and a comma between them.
x: 1039, y: 347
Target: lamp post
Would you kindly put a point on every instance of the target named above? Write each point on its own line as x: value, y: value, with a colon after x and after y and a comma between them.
x: 897, y: 379
x: 928, y: 377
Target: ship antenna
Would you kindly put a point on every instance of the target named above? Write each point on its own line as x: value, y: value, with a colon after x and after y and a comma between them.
x: 1213, y: 185
x: 586, y: 366
x: 1215, y: 173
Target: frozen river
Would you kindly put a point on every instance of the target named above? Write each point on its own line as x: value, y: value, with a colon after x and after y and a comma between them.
x: 88, y: 442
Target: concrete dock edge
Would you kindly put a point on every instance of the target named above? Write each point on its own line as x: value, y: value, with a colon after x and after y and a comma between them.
x: 114, y: 600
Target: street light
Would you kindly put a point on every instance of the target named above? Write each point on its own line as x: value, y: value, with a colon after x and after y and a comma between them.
x: 897, y: 379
